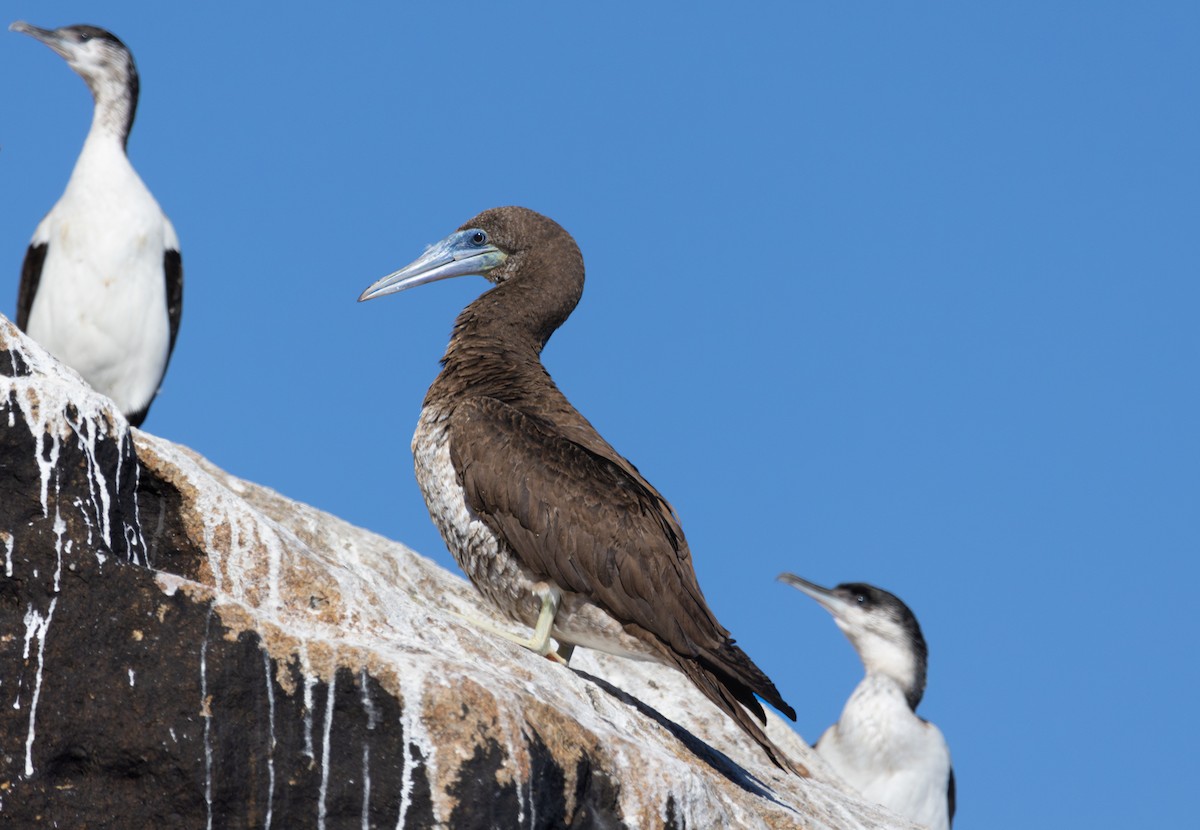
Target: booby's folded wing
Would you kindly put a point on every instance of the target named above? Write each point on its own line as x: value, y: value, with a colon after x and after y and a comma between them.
x: 577, y: 518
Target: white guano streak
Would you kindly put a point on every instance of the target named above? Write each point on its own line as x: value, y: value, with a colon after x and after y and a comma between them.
x: 35, y: 626
x: 206, y: 712
x: 7, y: 538
x: 372, y: 720
x: 97, y: 483
x: 60, y: 527
x: 412, y: 734
x: 46, y: 466
x: 325, y: 749
x: 309, y: 682
x: 271, y: 745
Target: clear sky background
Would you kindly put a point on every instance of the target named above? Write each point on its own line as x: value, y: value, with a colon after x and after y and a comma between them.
x: 901, y: 293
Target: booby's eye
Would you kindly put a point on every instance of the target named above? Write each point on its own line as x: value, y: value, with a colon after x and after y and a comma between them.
x: 861, y: 599
x: 479, y: 238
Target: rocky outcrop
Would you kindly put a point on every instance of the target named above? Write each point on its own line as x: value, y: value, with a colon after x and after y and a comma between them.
x: 179, y: 648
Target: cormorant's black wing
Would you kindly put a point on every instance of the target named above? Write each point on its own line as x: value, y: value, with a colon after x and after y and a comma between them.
x: 31, y: 275
x: 950, y: 795
x: 173, y: 269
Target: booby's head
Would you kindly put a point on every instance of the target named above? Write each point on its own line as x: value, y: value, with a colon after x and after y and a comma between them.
x: 499, y: 244
x: 535, y: 265
x: 883, y: 630
x: 99, y: 57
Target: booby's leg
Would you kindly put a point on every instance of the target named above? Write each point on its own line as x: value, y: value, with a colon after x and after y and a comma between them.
x: 540, y: 639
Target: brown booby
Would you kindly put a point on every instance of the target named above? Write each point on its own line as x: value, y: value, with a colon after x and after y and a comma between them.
x: 102, y: 282
x: 549, y: 522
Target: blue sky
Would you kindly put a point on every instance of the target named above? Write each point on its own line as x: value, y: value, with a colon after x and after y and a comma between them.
x: 899, y: 293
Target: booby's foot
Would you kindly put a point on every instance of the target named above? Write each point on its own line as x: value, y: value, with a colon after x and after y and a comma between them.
x: 539, y: 641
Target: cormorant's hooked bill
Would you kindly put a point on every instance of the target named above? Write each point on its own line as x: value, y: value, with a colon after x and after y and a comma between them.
x: 65, y: 40
x: 854, y: 604
x: 44, y: 35
x: 833, y: 600
x: 461, y: 253
x: 33, y: 31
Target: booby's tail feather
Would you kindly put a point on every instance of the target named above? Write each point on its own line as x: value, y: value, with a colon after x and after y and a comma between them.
x: 746, y: 680
x: 734, y: 698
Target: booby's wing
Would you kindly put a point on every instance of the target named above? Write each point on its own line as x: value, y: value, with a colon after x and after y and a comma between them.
x: 585, y: 522
x: 578, y: 518
x: 173, y: 270
x: 31, y: 275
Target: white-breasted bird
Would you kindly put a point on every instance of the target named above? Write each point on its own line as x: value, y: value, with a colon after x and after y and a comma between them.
x: 102, y: 283
x: 879, y: 745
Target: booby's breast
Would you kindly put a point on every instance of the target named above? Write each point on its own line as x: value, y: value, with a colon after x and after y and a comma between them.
x: 487, y: 560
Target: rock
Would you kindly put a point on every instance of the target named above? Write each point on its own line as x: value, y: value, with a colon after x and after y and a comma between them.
x: 179, y: 648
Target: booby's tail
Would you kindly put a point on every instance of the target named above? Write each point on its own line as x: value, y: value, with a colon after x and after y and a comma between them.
x: 746, y: 680
x: 734, y: 696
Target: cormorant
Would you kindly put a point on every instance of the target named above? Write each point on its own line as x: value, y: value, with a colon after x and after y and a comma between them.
x: 880, y: 745
x: 102, y: 284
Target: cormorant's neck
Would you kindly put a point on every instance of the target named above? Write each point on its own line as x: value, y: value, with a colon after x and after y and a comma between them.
x: 116, y: 100
x: 904, y: 666
x: 103, y: 170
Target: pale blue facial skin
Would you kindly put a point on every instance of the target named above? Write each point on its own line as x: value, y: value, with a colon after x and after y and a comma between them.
x: 459, y: 254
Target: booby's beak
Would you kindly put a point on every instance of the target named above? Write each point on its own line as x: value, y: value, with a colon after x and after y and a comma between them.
x: 830, y: 600
x: 459, y: 254
x: 51, y: 37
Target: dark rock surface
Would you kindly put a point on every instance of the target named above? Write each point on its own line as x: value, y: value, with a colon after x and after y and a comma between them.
x: 179, y: 648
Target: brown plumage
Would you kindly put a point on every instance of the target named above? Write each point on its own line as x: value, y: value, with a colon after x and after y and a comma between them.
x: 525, y: 491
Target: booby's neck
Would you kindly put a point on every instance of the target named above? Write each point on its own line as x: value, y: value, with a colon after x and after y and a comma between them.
x: 497, y: 342
x: 524, y: 311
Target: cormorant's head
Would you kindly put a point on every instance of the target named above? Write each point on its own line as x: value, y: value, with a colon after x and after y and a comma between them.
x: 883, y: 630
x: 97, y: 55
